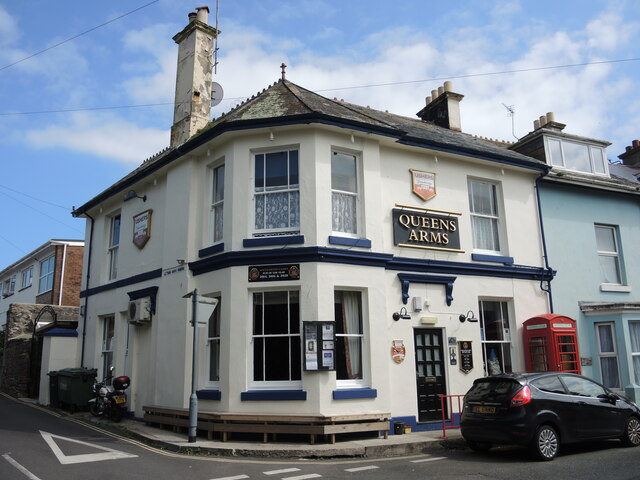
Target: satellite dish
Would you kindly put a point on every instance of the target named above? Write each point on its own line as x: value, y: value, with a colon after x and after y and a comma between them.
x: 216, y: 93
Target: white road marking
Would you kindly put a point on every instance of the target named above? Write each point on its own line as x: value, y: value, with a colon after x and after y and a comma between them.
x: 431, y: 459
x: 20, y: 468
x: 237, y: 477
x: 361, y: 469
x: 109, y: 453
x: 303, y: 477
x: 284, y: 470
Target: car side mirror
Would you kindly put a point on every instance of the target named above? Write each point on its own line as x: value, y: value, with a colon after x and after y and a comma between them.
x: 610, y: 397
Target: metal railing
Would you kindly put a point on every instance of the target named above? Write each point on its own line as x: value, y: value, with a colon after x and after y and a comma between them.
x: 454, y: 420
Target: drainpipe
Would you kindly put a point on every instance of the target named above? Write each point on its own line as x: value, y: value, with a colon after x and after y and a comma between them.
x: 544, y: 243
x: 86, y: 288
x: 64, y: 261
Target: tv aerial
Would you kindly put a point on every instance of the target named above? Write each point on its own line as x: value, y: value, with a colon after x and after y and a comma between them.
x: 511, y: 112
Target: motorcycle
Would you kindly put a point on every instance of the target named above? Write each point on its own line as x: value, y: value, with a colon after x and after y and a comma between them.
x: 109, y: 400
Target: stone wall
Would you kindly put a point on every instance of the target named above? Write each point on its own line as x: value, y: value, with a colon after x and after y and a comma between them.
x: 21, y: 370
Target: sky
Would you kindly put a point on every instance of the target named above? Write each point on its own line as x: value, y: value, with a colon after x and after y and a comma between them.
x: 86, y: 88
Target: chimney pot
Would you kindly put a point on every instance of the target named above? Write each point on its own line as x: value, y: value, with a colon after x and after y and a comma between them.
x: 427, y: 100
x: 434, y: 94
x: 192, y: 16
x: 203, y: 14
x: 635, y: 143
x: 628, y: 149
x: 448, y: 86
x: 543, y: 120
x: 551, y: 117
x: 440, y: 90
x: 536, y: 124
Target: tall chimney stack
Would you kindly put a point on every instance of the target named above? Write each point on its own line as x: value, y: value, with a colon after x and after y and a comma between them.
x: 192, y: 108
x: 443, y: 109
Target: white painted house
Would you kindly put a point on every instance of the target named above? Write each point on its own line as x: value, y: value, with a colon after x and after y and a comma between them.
x: 412, y: 249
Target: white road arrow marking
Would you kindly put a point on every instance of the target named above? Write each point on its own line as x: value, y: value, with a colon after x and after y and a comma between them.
x: 108, y: 453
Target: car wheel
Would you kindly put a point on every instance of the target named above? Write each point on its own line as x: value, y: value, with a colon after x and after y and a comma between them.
x: 545, y: 443
x: 478, y: 446
x: 631, y: 436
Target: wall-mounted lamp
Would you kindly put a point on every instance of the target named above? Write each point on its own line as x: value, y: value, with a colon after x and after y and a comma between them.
x: 470, y: 316
x: 271, y: 137
x: 131, y: 194
x: 402, y: 314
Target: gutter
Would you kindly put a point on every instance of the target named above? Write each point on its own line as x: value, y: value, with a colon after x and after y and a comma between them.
x: 216, y: 130
x: 86, y: 301
x: 544, y: 243
x: 64, y: 261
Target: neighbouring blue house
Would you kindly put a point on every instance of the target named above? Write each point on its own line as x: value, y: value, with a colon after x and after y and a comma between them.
x: 591, y: 219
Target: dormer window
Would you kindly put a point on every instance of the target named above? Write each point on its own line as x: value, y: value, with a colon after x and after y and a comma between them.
x: 577, y: 156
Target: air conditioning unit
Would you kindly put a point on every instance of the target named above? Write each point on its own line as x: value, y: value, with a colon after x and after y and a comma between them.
x: 139, y: 311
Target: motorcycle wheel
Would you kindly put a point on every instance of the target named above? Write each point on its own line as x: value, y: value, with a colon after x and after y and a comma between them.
x: 94, y: 409
x: 115, y: 413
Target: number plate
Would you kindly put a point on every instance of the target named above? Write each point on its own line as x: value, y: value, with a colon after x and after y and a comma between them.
x: 484, y: 409
x: 120, y: 399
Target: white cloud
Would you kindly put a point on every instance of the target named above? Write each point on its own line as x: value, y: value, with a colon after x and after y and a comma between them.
x: 8, y: 28
x: 113, y: 139
x: 608, y: 32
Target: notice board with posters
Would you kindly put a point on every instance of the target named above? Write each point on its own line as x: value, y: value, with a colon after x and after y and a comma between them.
x: 319, y: 346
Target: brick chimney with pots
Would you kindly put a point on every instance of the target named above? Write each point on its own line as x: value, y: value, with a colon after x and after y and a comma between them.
x: 192, y: 109
x: 443, y: 108
x: 631, y: 156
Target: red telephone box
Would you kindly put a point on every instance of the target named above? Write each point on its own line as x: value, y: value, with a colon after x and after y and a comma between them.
x: 551, y: 344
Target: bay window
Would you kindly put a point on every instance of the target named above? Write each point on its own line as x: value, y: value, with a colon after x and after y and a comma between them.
x: 213, y: 345
x: 276, y: 338
x: 344, y: 193
x: 349, y: 335
x: 217, y: 204
x: 46, y: 274
x: 276, y: 193
x: 606, y: 335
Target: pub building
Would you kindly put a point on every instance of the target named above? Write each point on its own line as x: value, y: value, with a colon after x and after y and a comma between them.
x: 363, y: 262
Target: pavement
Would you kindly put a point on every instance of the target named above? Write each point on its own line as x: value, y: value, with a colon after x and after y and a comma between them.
x: 395, y: 445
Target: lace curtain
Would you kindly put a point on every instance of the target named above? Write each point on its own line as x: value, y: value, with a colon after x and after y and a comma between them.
x: 280, y: 210
x: 344, y: 213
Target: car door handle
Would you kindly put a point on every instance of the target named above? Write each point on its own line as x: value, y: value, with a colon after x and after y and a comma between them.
x: 582, y: 403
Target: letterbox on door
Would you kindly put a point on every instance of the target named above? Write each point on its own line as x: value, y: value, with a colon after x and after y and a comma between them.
x: 551, y: 344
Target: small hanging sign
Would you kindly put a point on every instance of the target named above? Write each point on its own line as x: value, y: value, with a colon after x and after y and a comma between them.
x: 466, y: 356
x: 142, y: 228
x: 398, y: 352
x: 424, y: 184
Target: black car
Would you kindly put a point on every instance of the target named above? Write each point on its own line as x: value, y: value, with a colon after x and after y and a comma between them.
x: 543, y: 410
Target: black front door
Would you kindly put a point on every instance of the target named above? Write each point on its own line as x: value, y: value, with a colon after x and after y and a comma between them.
x: 430, y: 369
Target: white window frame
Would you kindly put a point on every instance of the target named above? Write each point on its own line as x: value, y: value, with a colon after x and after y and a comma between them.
x: 364, y: 348
x: 9, y: 286
x: 27, y: 277
x: 611, y: 254
x: 611, y: 354
x: 114, y: 245
x: 211, y: 341
x: 47, y: 276
x: 291, y: 189
x: 216, y: 211
x: 635, y: 352
x: 274, y: 384
x: 592, y: 151
x: 506, y: 343
x: 494, y: 217
x: 107, y: 357
x: 357, y: 195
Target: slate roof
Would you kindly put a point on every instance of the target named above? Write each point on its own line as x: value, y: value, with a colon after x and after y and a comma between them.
x: 285, y: 103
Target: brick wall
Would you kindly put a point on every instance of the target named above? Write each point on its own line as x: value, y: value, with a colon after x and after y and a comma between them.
x: 73, y: 276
